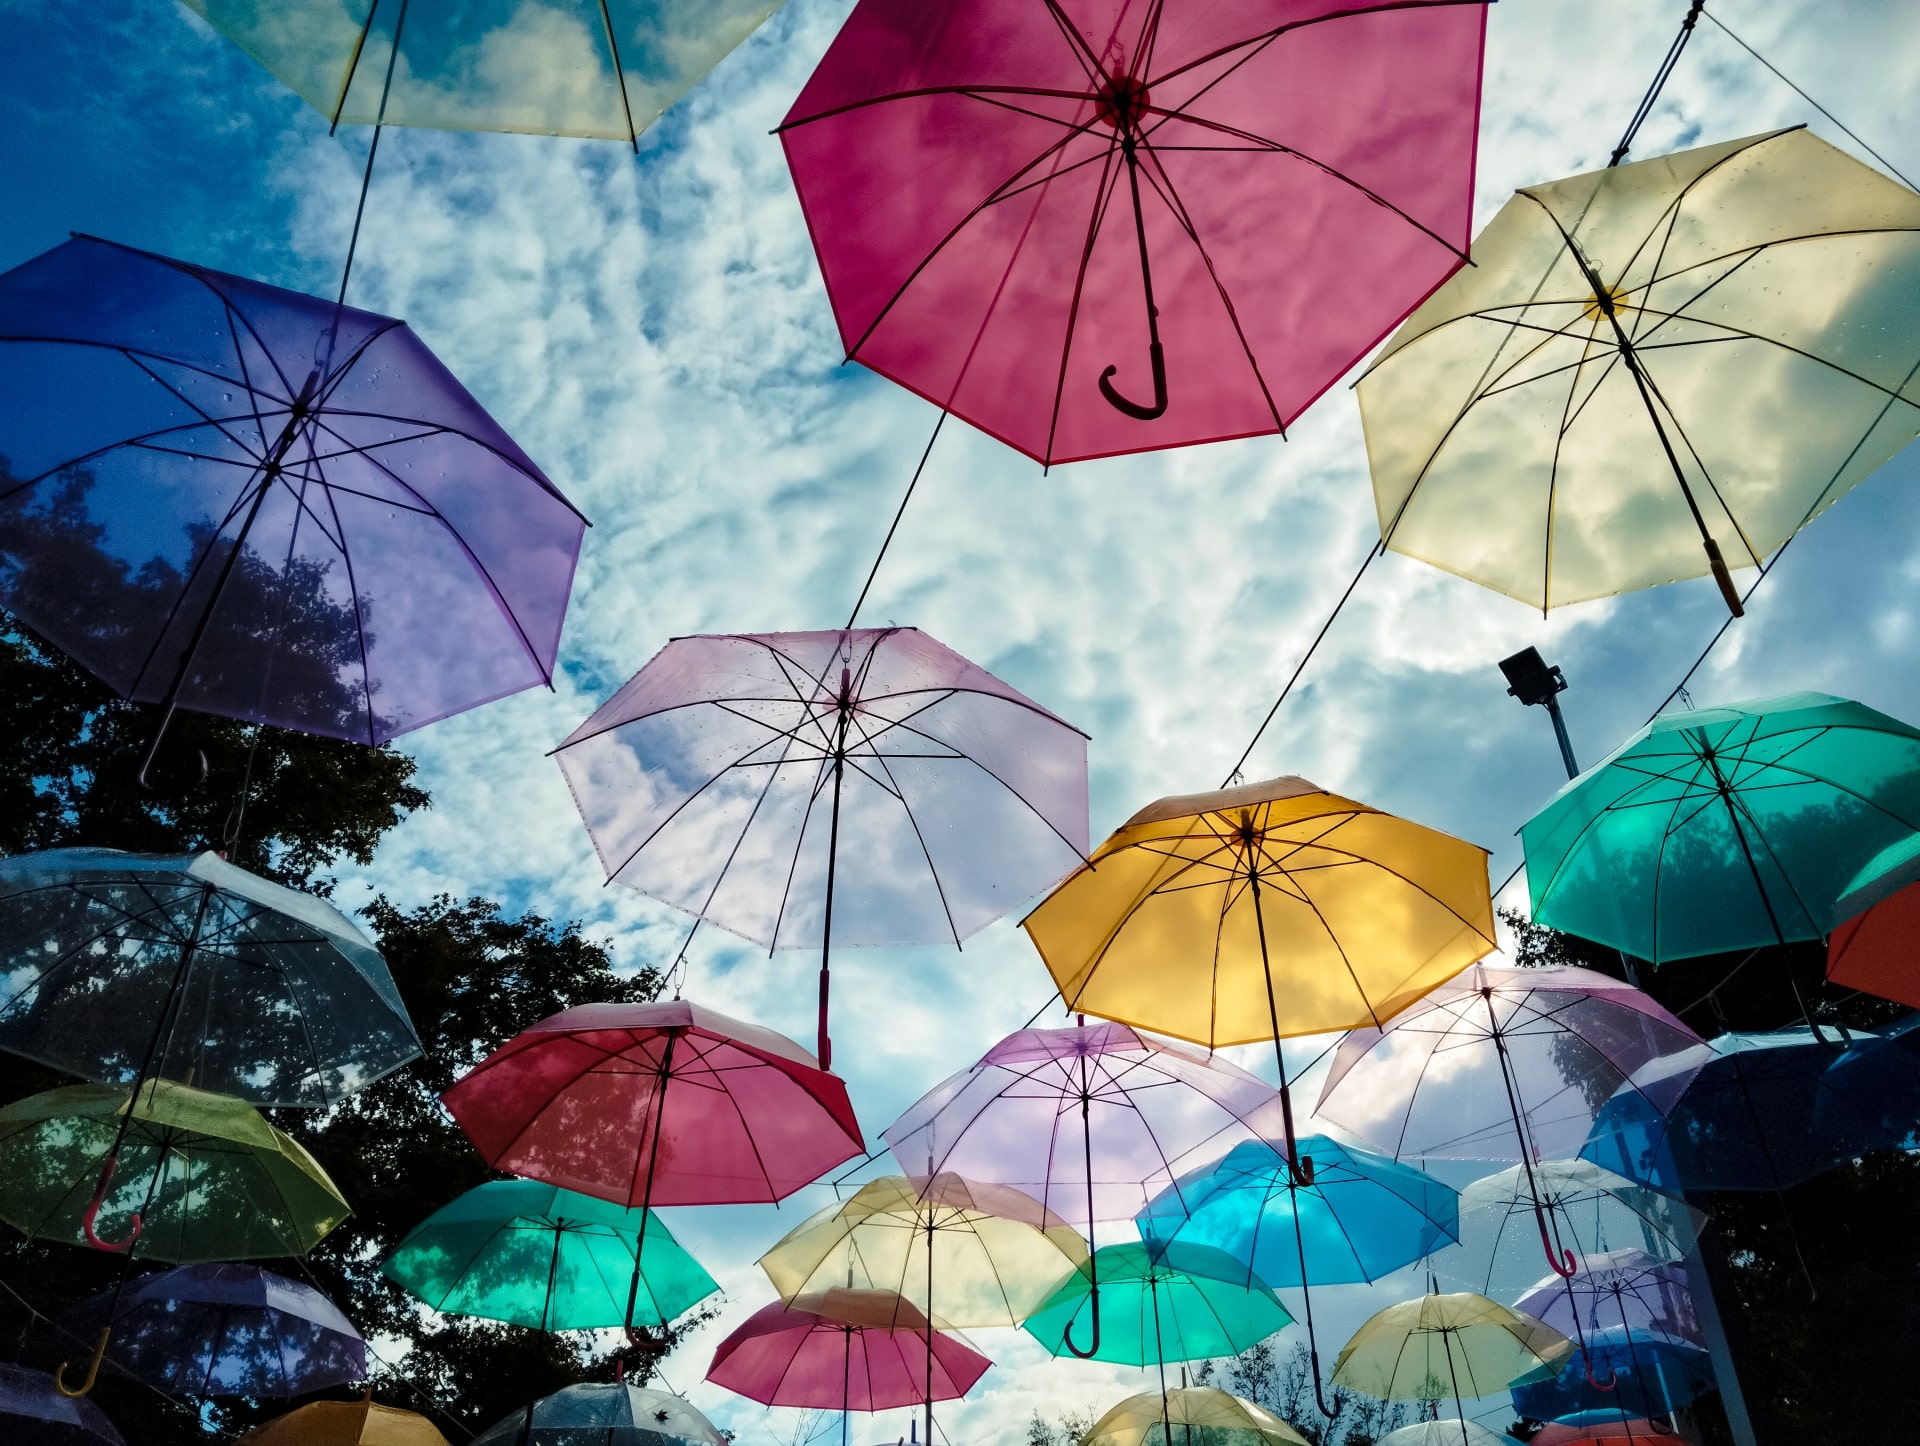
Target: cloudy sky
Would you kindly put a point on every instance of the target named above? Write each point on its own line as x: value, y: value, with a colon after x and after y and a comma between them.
x: 655, y: 333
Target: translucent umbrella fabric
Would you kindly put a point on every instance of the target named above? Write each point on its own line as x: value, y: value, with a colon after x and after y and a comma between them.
x: 535, y: 1255
x: 606, y: 1415
x: 115, y: 966
x: 1725, y: 828
x: 206, y: 1176
x: 30, y: 1403
x: 1177, y: 1303
x: 1872, y: 945
x: 1651, y: 1375
x: 1651, y: 366
x: 1626, y: 1288
x: 1190, y: 1416
x: 564, y: 68
x: 224, y: 1330
x: 347, y: 1423
x: 1445, y: 1433
x: 804, y: 790
x: 252, y: 502
x: 1589, y: 1428
x: 1437, y: 1346
x: 1045, y: 224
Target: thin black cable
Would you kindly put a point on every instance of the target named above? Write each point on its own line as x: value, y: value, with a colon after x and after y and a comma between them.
x: 1652, y: 96
x: 887, y: 541
x: 373, y: 149
x: 1804, y: 96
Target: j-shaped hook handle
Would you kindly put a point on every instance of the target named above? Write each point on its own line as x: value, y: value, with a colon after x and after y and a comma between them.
x: 1066, y: 1336
x: 1612, y: 1380
x: 94, y: 1239
x: 1564, y: 1263
x: 93, y: 1368
x: 1133, y: 409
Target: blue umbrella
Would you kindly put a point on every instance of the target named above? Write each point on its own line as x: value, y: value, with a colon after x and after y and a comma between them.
x: 1652, y: 1375
x: 1362, y: 1216
x: 225, y: 1330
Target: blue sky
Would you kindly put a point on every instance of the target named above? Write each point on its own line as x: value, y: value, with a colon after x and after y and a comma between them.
x: 654, y: 332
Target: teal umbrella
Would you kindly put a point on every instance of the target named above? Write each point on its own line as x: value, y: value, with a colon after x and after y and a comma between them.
x: 1726, y: 828
x: 1170, y: 1303
x: 536, y: 1255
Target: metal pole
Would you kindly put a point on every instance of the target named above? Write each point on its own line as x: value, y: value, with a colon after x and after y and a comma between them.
x: 1560, y: 732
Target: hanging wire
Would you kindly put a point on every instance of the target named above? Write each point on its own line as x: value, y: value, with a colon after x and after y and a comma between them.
x: 1652, y: 96
x: 899, y: 512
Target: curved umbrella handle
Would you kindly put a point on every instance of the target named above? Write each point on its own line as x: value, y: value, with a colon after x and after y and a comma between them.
x: 1319, y: 1399
x: 1066, y: 1336
x: 1134, y: 409
x: 1571, y: 1265
x: 1612, y: 1380
x: 93, y: 1213
x: 93, y: 1368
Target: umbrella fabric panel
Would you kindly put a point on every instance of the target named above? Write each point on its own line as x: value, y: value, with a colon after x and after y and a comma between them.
x: 297, y: 495
x: 282, y: 1000
x: 1652, y: 1375
x: 806, y: 1355
x: 1042, y: 1104
x: 1363, y: 1216
x: 569, y: 68
x: 577, y: 1101
x: 1362, y: 912
x: 535, y: 1255
x: 604, y: 1415
x: 1626, y: 1288
x: 1445, y: 1433
x: 1874, y: 951
x: 1588, y: 1428
x: 57, y: 1420
x: 1725, y: 828
x: 968, y: 196
x: 1199, y: 1416
x: 346, y: 1423
x: 211, y: 1179
x: 1436, y: 1346
x: 1157, y: 1305
x: 707, y: 781
x: 1767, y: 286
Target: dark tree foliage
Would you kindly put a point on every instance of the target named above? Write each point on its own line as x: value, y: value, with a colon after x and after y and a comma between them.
x: 1284, y: 1385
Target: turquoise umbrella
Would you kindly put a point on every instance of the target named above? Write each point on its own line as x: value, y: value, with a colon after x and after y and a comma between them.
x: 1176, y: 1303
x: 1726, y: 828
x: 535, y: 1255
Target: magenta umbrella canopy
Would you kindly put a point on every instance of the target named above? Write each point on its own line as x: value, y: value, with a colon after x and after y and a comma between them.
x: 1152, y: 1111
x: 844, y: 1350
x: 1105, y: 226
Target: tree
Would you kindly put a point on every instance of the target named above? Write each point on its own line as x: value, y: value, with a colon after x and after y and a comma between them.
x: 1066, y: 1431
x: 1284, y: 1385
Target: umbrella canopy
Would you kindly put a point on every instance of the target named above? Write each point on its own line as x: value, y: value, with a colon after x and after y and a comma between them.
x: 30, y: 1401
x: 1872, y: 945
x: 867, y: 786
x: 844, y: 1350
x: 571, y: 68
x: 1445, y: 1433
x: 225, y: 1330
x: 1651, y: 1375
x: 247, y: 501
x: 1626, y: 1288
x: 1589, y: 1428
x: 1725, y: 828
x: 1435, y: 1346
x: 1171, y: 1303
x: 118, y: 966
x: 1204, y: 1416
x: 1754, y: 1111
x: 1593, y: 1211
x: 346, y: 1423
x: 197, y: 1176
x: 607, y: 1415
x: 1044, y: 220
x: 535, y: 1255
x: 1653, y: 371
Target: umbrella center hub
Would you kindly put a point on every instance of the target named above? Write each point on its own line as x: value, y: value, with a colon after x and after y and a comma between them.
x: 1611, y: 304
x: 1121, y: 102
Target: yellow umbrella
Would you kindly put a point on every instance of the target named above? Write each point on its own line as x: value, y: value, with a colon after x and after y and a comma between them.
x: 1263, y: 911
x: 1448, y: 1345
x: 346, y: 1423
x: 1652, y: 372
x: 1208, y: 1418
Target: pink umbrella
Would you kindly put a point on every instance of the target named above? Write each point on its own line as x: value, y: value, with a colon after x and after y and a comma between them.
x: 1499, y: 1064
x: 1033, y: 214
x: 1093, y: 1122
x: 845, y: 1350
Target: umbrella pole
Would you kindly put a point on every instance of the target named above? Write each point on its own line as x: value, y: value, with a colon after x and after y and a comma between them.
x: 1564, y: 1263
x: 653, y: 1159
x: 1453, y: 1375
x: 1298, y: 1170
x: 1126, y: 122
x: 1093, y: 1262
x: 930, y: 1230
x: 825, y: 1047
x: 1306, y: 1295
x: 1160, y: 1357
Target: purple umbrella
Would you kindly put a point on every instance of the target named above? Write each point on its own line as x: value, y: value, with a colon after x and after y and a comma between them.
x: 1499, y: 1064
x: 224, y: 1330
x: 1093, y: 1122
x: 225, y: 496
x: 857, y: 786
x: 1629, y: 1289
x: 46, y: 1416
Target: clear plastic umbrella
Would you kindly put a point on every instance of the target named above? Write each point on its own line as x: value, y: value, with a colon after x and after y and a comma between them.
x: 600, y: 1414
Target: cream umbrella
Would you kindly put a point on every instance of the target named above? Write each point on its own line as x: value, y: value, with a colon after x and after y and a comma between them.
x: 1207, y: 1417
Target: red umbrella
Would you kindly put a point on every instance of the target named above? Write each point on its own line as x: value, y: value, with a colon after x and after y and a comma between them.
x: 1876, y: 951
x: 1099, y: 226
x: 844, y: 1350
x: 1584, y: 1432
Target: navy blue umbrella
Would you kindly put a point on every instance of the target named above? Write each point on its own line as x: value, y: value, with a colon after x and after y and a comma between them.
x: 31, y: 1410
x: 1645, y: 1374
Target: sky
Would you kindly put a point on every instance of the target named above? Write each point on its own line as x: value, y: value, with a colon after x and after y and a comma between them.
x: 653, y: 330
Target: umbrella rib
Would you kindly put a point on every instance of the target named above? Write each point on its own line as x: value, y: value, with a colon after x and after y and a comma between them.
x: 793, y: 866
x: 359, y: 616
x: 1103, y: 198
x: 321, y: 414
x: 926, y: 853
x: 246, y: 377
x: 1083, y: 53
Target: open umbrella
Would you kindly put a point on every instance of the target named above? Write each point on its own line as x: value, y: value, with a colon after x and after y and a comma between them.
x: 1725, y: 828
x: 122, y: 967
x: 1500, y: 1064
x: 1876, y: 922
x: 1263, y: 911
x: 669, y: 1103
x: 864, y: 786
x: 1593, y: 1428
x: 30, y: 1401
x: 1107, y: 228
x: 224, y: 1330
x: 605, y: 1415
x: 1644, y: 1374
x: 229, y: 497
x: 347, y: 1423
x: 844, y: 1350
x: 1653, y: 371
x: 1161, y: 1304
x: 535, y: 1255
x: 1626, y: 1288
x: 1091, y: 1121
x: 1205, y: 1417
x: 1445, y: 1433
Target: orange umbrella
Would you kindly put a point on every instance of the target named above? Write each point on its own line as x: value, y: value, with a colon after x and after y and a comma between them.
x: 1875, y: 951
x: 347, y: 1423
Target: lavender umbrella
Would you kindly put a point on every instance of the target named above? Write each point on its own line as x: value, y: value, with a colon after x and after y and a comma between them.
x: 221, y: 495
x: 858, y: 786
x: 1629, y: 1289
x: 225, y: 1330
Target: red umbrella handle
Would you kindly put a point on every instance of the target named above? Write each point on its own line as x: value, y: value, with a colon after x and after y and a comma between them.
x: 93, y: 1213
x: 1563, y: 1262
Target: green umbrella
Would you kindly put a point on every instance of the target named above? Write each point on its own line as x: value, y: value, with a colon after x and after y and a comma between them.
x: 1181, y: 1303
x: 1726, y: 828
x: 535, y: 1255
x: 195, y: 1176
